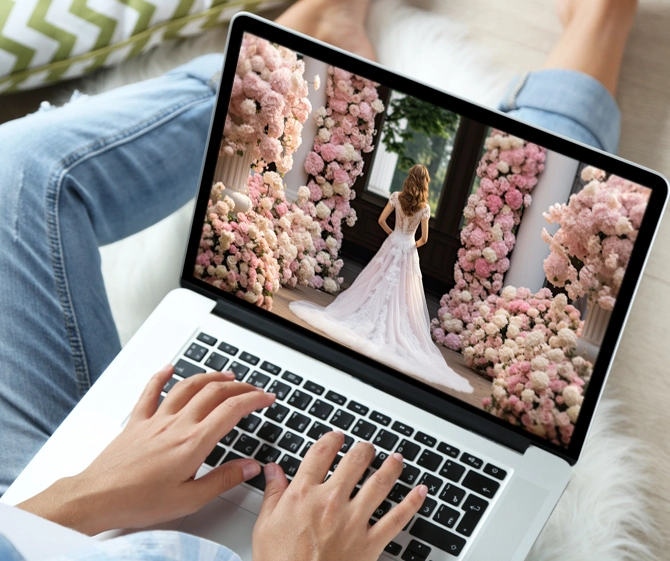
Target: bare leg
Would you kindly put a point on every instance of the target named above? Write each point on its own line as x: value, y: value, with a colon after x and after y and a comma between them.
x: 338, y: 22
x: 594, y: 39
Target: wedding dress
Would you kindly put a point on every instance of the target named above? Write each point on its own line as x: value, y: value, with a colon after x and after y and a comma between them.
x: 383, y: 314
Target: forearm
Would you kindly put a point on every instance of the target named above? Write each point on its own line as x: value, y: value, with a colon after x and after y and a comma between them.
x: 385, y: 227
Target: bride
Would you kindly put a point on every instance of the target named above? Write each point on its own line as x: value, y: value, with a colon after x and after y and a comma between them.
x: 383, y: 314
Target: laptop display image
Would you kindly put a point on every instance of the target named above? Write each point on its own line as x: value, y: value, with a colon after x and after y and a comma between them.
x: 505, y: 305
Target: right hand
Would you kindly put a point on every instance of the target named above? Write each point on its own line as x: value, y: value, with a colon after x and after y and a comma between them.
x: 318, y: 521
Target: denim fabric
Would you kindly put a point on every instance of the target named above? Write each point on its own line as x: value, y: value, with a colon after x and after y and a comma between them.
x: 568, y: 103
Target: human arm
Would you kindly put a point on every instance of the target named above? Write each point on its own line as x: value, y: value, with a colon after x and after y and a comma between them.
x: 317, y: 520
x: 423, y: 240
x: 146, y: 474
x: 383, y: 216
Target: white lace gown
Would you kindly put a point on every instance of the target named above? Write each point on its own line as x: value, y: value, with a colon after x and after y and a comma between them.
x: 383, y: 314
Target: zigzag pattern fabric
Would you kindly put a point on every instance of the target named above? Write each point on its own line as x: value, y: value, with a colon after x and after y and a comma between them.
x: 43, y: 41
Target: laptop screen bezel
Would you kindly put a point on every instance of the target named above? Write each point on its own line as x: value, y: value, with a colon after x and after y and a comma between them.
x: 369, y: 371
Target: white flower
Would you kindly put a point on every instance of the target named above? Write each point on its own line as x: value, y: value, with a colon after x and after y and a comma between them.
x: 503, y: 167
x: 539, y: 380
x: 377, y: 106
x: 491, y: 329
x: 623, y: 227
x: 528, y: 396
x: 331, y: 242
x: 248, y: 107
x: 322, y: 211
x: 303, y: 194
x: 533, y: 339
x: 329, y: 122
x: 509, y: 293
x: 572, y: 395
x: 489, y: 255
x: 589, y: 173
x: 350, y: 153
x: 266, y: 204
x: 573, y: 413
x: 465, y: 296
x: 469, y: 352
x: 491, y: 354
x: 250, y: 297
x: 317, y: 82
x: 539, y: 363
x: 506, y: 354
x: 324, y: 134
x: 327, y: 189
x: 499, y: 320
x: 555, y: 355
x: 499, y: 393
x: 253, y: 232
x: 329, y: 285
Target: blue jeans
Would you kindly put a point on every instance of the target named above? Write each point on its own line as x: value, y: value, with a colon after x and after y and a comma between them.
x: 104, y: 167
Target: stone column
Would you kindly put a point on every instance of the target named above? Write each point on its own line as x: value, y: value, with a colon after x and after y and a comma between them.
x: 554, y: 186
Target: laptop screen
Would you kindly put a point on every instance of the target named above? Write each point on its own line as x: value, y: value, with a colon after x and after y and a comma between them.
x: 467, y: 258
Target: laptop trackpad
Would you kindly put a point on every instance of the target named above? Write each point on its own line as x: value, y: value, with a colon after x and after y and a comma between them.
x: 225, y: 523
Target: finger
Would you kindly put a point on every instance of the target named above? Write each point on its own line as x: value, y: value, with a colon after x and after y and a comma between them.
x: 352, y: 467
x: 184, y: 391
x: 378, y: 486
x: 275, y: 485
x: 211, y: 396
x: 398, y: 517
x: 226, y: 415
x: 148, y: 402
x: 222, y: 479
x: 319, y: 458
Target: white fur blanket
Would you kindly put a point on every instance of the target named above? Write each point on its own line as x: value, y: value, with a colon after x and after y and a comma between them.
x: 603, y: 515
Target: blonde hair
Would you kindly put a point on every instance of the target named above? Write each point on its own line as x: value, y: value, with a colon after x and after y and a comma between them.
x: 414, y: 194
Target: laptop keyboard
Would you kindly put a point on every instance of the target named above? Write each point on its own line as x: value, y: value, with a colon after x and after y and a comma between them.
x: 461, y: 486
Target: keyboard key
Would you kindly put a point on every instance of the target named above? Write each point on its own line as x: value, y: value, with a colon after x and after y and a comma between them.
x: 298, y: 422
x: 187, y: 369
x: 336, y: 462
x: 354, y: 492
x: 408, y: 449
x: 269, y: 431
x: 240, y: 370
x: 398, y: 493
x: 228, y: 349
x: 280, y: 389
x: 342, y: 419
x: 427, y: 507
x: 448, y: 449
x: 196, y: 352
x: 382, y: 509
x: 348, y: 441
x: 258, y: 482
x: 251, y: 359
x: 474, y: 508
x: 430, y: 460
x: 214, y: 456
x: 480, y: 484
x: 452, y: 470
x: 433, y: 483
x: 377, y: 417
x: 246, y: 444
x: 230, y: 456
x: 358, y: 408
x: 471, y: 460
x: 306, y: 449
x: 494, y: 471
x: 321, y: 409
x: 336, y: 398
x: 249, y: 423
x: 379, y: 460
x: 452, y: 494
x: 290, y: 465
x: 293, y: 378
x: 364, y: 477
x: 228, y: 439
x: 417, y: 547
x: 411, y: 556
x: 313, y: 387
x: 267, y: 454
x: 271, y: 368
x: 291, y: 442
x: 425, y: 439
x: 393, y: 548
x: 216, y: 362
x: 409, y: 474
x: 277, y: 412
x: 446, y: 516
x: 207, y: 339
x: 385, y: 439
x: 300, y: 400
x: 364, y: 430
x: 402, y: 428
x: 258, y: 379
x: 436, y: 536
x: 170, y: 384
x: 318, y: 430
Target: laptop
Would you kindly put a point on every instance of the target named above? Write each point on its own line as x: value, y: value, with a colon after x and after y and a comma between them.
x: 486, y: 366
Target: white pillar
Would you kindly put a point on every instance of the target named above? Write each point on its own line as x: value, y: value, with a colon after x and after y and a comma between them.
x: 383, y: 169
x: 297, y: 177
x: 554, y: 186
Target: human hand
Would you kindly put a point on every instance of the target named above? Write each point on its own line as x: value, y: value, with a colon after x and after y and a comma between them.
x: 318, y: 521
x: 146, y: 474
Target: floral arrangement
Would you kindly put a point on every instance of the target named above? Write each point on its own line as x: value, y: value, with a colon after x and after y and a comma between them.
x: 346, y: 131
x: 508, y: 173
x: 598, y: 227
x: 268, y: 104
x: 236, y: 251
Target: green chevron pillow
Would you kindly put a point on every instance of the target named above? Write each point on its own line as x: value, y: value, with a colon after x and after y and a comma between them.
x: 43, y: 41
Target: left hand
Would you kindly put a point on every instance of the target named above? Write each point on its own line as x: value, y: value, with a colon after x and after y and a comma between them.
x: 146, y: 474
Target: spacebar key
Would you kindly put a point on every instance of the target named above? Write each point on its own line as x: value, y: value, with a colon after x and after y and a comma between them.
x: 434, y: 535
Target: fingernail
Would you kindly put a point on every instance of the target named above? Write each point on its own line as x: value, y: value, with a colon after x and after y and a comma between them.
x: 270, y: 472
x: 423, y: 490
x: 250, y: 470
x: 166, y: 367
x: 398, y: 457
x: 338, y: 432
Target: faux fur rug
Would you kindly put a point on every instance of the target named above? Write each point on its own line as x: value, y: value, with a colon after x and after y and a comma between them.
x: 602, y: 516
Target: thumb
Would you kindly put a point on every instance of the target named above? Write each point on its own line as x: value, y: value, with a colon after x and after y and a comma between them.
x: 275, y: 485
x: 223, y: 478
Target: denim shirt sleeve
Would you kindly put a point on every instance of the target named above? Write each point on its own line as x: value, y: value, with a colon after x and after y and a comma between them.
x: 152, y: 546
